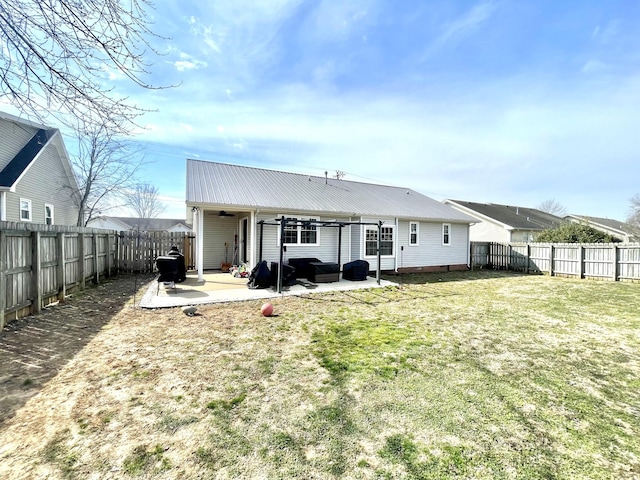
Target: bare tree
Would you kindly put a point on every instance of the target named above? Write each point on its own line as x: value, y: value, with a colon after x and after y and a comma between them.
x: 106, y: 168
x: 634, y: 214
x: 144, y: 201
x: 59, y: 56
x: 553, y: 207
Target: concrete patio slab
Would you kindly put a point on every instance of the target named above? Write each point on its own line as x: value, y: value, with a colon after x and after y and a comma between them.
x: 219, y: 287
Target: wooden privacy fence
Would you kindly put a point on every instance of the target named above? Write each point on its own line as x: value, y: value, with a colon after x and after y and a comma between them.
x: 138, y: 250
x: 613, y: 261
x: 40, y: 264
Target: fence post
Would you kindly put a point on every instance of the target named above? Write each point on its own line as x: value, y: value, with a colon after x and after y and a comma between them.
x: 3, y: 279
x: 36, y: 270
x: 551, y: 260
x: 82, y: 282
x: 615, y: 262
x: 581, y: 268
x: 60, y: 270
x: 528, y: 259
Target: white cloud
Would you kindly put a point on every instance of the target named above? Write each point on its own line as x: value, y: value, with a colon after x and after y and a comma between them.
x: 595, y: 66
x: 468, y: 22
x: 188, y: 63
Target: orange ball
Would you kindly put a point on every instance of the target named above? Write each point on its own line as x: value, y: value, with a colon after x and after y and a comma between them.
x: 267, y: 309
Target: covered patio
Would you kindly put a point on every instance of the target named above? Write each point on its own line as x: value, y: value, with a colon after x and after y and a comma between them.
x: 219, y: 287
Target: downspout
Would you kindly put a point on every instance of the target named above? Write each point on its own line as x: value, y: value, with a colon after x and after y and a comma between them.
x: 468, y: 247
x: 396, y: 237
x: 3, y: 206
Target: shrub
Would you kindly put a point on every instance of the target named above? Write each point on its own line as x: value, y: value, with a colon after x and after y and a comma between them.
x: 571, y: 232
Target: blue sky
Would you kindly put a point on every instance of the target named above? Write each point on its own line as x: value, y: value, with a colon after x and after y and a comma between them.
x: 511, y: 102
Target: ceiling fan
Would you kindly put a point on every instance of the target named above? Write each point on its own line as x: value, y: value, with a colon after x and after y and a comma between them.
x: 225, y: 214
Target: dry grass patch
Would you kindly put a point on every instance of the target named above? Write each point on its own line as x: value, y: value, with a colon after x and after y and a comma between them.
x: 464, y: 375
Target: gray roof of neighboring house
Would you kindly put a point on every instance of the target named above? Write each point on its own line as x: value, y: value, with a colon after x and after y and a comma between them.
x: 233, y: 186
x: 520, y: 218
x: 606, y: 222
x: 149, y: 224
x: 12, y: 170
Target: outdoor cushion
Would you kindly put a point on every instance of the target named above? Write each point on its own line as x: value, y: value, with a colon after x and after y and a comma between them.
x: 356, y: 270
x: 302, y: 266
x: 322, y: 272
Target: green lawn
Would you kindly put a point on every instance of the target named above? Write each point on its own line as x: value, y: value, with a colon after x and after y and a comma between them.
x: 482, y: 375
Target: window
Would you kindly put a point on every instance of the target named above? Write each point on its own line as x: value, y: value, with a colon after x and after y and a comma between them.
x: 48, y: 214
x: 413, y: 233
x: 308, y: 233
x: 371, y: 241
x: 301, y: 232
x: 25, y: 210
x: 446, y: 234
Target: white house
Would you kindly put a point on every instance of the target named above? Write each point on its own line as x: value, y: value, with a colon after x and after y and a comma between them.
x: 237, y: 211
x: 504, y: 223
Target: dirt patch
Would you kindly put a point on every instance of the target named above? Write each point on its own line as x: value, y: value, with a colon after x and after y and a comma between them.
x: 35, y: 348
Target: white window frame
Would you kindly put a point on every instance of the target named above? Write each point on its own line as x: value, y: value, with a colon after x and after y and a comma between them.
x: 417, y: 233
x: 29, y: 210
x: 299, y: 230
x: 446, y: 234
x: 374, y: 228
x: 49, y: 206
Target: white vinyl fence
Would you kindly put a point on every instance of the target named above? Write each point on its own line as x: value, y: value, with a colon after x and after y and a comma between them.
x: 612, y: 261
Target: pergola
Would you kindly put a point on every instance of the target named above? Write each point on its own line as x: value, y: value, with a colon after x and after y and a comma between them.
x: 283, y: 222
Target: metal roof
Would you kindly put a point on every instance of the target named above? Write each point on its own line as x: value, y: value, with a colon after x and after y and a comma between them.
x: 520, y: 218
x: 227, y: 186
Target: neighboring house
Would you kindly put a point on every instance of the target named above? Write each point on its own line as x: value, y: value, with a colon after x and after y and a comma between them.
x: 625, y: 232
x: 504, y: 223
x: 37, y: 183
x: 228, y: 202
x: 171, y: 225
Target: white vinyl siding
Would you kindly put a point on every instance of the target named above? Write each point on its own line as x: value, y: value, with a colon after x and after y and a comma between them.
x: 486, y: 231
x: 356, y: 244
x: 430, y: 251
x: 218, y: 231
x: 14, y: 137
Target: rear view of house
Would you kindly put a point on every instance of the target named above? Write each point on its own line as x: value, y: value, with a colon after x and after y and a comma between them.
x: 36, y: 178
x: 237, y: 214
